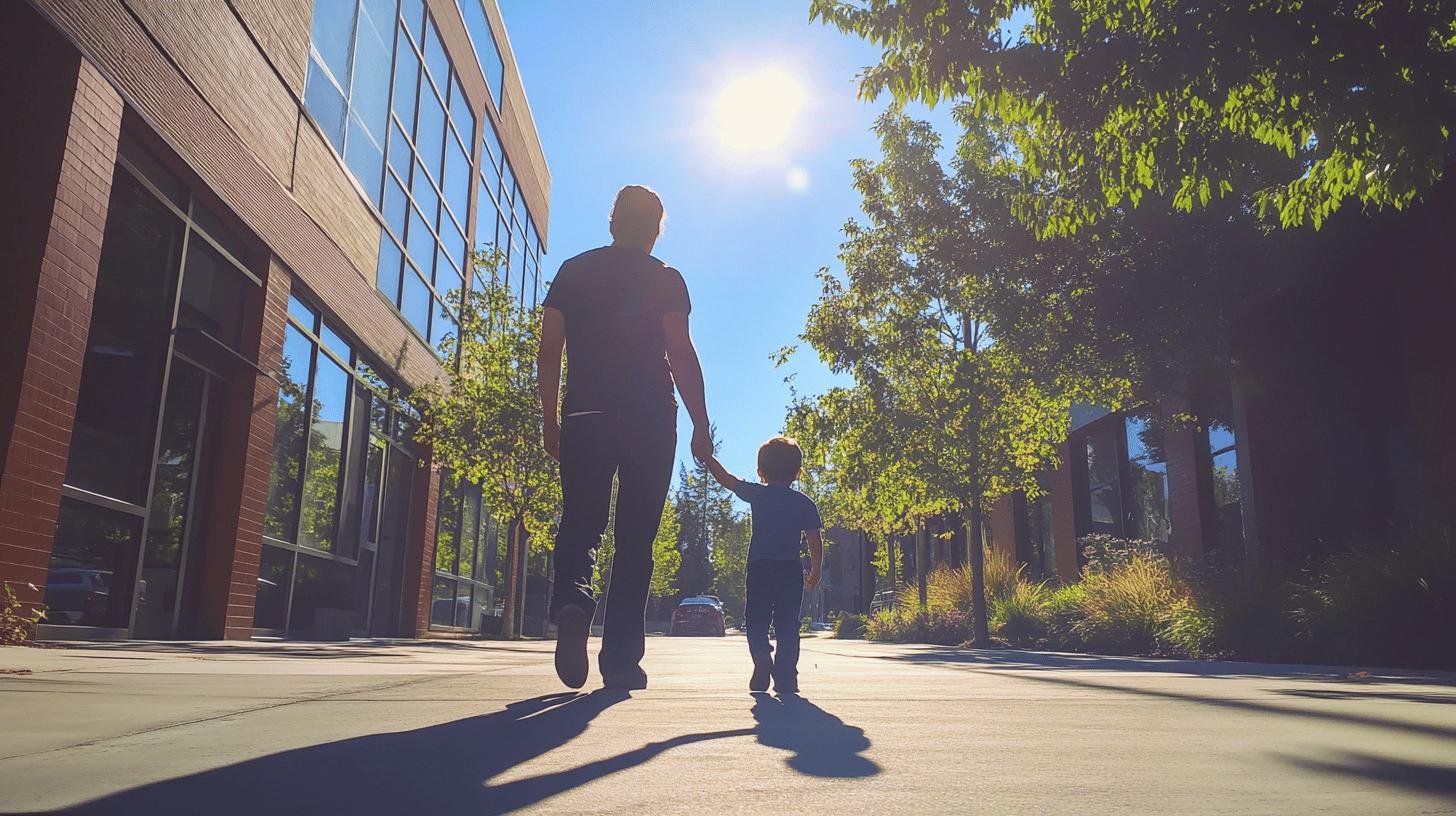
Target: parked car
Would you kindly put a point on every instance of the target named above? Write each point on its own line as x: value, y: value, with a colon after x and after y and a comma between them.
x: 699, y: 615
x: 77, y: 595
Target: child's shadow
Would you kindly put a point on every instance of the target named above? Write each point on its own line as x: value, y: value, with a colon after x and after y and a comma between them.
x: 823, y: 744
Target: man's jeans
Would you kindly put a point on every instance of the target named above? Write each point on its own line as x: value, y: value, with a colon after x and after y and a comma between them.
x: 639, y: 450
x: 775, y: 591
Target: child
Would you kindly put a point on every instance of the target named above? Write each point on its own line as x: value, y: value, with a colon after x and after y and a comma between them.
x: 782, y: 518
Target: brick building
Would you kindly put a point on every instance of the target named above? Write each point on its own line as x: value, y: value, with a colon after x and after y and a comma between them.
x: 234, y: 227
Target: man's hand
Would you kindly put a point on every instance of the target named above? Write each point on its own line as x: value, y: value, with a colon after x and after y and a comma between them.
x: 702, y: 444
x: 812, y: 579
x: 551, y: 439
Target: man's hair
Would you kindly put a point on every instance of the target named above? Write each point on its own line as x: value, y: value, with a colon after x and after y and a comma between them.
x: 779, y: 459
x: 637, y: 214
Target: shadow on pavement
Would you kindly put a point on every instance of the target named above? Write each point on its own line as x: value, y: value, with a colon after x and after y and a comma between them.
x: 1024, y: 665
x: 350, y: 650
x: 448, y: 768
x: 1413, y: 776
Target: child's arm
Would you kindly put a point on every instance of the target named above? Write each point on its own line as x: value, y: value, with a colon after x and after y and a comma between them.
x: 721, y: 473
x: 816, y: 558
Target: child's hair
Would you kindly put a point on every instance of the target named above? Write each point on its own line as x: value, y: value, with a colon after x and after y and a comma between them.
x: 779, y: 459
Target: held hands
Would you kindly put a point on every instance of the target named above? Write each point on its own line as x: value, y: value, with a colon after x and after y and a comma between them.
x: 812, y: 579
x: 551, y: 439
x: 702, y: 444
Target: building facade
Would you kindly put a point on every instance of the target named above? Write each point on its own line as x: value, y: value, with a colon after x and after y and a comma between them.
x: 237, y: 230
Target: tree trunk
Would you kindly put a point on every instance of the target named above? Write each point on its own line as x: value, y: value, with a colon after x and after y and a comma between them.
x: 524, y: 548
x: 893, y: 552
x: 981, y: 631
x: 508, y: 614
x: 922, y: 563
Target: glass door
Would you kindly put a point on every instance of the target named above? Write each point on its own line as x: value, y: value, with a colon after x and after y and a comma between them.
x: 393, y: 530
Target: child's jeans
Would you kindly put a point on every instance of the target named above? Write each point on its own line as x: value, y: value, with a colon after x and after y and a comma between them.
x: 775, y: 591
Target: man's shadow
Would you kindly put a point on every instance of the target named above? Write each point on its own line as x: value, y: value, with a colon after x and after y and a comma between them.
x: 449, y: 767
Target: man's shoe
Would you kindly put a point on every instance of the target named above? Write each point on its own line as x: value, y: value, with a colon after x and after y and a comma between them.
x: 762, y: 670
x: 783, y: 687
x: 573, y: 625
x: 632, y: 680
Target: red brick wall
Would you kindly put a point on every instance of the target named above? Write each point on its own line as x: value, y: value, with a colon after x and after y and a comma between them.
x: 419, y: 558
x: 47, y: 379
x: 1190, y: 496
x: 1064, y: 516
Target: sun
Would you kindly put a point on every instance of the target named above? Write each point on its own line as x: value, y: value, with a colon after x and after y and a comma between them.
x: 757, y: 112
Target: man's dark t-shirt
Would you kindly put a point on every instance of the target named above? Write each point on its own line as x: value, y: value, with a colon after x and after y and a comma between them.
x: 614, y: 299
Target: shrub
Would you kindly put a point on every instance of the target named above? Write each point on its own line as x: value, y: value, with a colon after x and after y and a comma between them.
x: 1125, y: 607
x: 1380, y: 605
x: 850, y: 627
x: 1063, y: 611
x: 1023, y: 618
x: 1192, y: 628
x: 945, y: 628
x: 16, y: 625
x: 1104, y: 553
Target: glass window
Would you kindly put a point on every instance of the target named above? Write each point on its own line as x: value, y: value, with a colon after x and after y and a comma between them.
x: 469, y: 531
x: 302, y: 313
x: 508, y: 186
x: 1104, y: 491
x: 435, y: 59
x: 406, y: 81
x: 420, y: 242
x: 396, y: 205
x: 364, y: 157
x: 447, y: 524
x: 425, y: 195
x: 325, y: 603
x: 333, y: 33
x: 1228, y: 508
x: 126, y: 348
x: 275, y: 575
x: 1147, y: 464
x: 326, y: 104
x: 461, y: 116
x: 457, y: 179
x: 494, y: 153
x: 318, y: 517
x: 442, y: 602
x: 213, y: 294
x: 289, y: 436
x: 412, y: 13
x: 485, y: 207
x: 442, y: 326
x: 369, y: 93
x: 452, y: 241
x: 387, y: 277
x: 335, y: 343
x: 430, y: 131
x: 487, y: 53
x: 415, y: 302
x: 92, y: 566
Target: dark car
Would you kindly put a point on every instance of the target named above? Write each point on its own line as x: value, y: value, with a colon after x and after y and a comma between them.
x: 700, y: 615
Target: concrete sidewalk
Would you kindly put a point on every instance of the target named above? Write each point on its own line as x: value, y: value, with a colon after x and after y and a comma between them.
x: 444, y: 727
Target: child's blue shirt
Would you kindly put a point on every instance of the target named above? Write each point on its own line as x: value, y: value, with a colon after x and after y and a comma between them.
x: 781, y: 514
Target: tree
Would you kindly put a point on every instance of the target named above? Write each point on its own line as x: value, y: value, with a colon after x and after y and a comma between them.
x: 483, y: 420
x: 1290, y: 108
x: 730, y: 564
x: 666, y: 560
x: 704, y: 511
x: 945, y: 415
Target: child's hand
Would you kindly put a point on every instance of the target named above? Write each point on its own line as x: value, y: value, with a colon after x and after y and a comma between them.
x: 812, y: 579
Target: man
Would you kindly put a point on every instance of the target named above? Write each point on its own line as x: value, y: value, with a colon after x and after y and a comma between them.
x: 623, y: 318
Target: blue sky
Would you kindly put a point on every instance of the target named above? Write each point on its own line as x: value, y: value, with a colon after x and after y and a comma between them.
x: 623, y: 93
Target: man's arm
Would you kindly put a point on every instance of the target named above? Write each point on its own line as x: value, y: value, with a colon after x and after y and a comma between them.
x: 687, y: 372
x: 548, y: 377
x: 721, y: 473
x: 816, y: 557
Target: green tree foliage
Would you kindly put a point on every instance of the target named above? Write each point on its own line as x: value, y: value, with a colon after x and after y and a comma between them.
x: 730, y: 564
x: 1289, y: 107
x: 483, y: 420
x: 704, y: 513
x: 943, y: 416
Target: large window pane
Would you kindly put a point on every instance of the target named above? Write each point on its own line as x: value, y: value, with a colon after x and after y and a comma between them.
x: 1147, y: 464
x: 406, y: 82
x: 317, y: 525
x: 469, y: 531
x: 435, y: 58
x: 442, y: 326
x: 448, y: 277
x: 333, y: 32
x: 121, y: 376
x: 387, y: 273
x: 92, y: 566
x: 426, y: 198
x: 1228, y: 508
x: 325, y: 604
x: 396, y: 205
x: 289, y: 435
x: 412, y: 13
x: 415, y: 302
x: 490, y: 162
x: 452, y: 241
x: 420, y: 242
x: 447, y: 524
x: 487, y: 53
x: 457, y: 179
x: 430, y: 131
x: 460, y: 113
x: 275, y: 575
x: 326, y: 104
x: 213, y: 294
x: 369, y: 94
x: 364, y: 157
x: 442, y: 602
x: 171, y: 501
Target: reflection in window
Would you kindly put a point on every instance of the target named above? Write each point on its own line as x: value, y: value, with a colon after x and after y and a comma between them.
x: 275, y: 575
x: 348, y: 83
x: 92, y: 566
x: 1103, y: 489
x: 290, y: 430
x: 1147, y: 464
x: 325, y: 456
x: 1228, y: 508
x: 487, y: 53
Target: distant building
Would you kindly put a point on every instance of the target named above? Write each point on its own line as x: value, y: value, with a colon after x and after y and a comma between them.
x: 234, y: 228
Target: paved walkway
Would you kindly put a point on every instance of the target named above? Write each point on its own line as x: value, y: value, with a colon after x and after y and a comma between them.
x: 482, y: 728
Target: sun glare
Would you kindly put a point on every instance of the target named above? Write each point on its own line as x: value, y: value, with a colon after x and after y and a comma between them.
x: 757, y: 112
